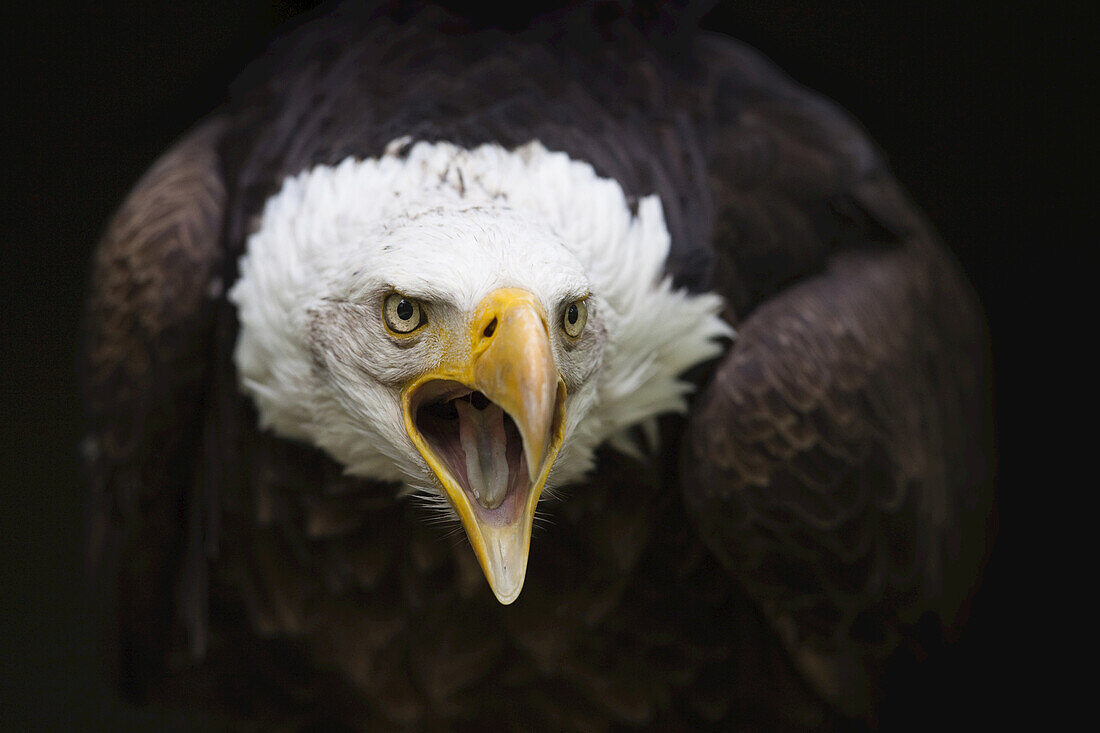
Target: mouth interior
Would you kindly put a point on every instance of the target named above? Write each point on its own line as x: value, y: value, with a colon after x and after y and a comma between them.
x: 478, y: 444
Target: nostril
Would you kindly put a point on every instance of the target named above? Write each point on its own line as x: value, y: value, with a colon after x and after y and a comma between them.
x: 491, y: 328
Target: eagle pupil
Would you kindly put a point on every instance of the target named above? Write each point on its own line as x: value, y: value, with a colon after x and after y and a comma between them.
x: 404, y: 310
x: 573, y: 313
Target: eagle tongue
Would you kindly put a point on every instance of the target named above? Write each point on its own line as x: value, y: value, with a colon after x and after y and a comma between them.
x: 481, y: 433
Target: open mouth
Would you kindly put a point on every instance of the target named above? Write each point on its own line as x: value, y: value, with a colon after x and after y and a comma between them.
x: 492, y: 462
x: 479, y: 446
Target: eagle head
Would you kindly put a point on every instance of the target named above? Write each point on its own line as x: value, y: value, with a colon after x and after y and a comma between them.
x: 472, y: 324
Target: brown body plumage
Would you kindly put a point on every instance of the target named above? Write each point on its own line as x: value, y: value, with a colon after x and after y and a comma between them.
x: 826, y: 493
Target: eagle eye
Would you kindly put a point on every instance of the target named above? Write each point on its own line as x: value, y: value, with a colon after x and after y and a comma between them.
x: 402, y: 315
x: 574, y: 318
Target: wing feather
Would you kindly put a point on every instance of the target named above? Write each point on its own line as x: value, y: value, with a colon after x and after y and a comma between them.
x: 147, y: 324
x: 837, y: 461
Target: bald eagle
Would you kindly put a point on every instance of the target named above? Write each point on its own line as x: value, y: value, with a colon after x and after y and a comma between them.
x: 646, y: 326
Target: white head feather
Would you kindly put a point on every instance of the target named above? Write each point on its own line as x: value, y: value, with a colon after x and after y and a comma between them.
x: 449, y: 225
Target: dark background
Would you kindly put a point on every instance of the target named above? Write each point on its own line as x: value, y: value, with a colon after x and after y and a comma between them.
x: 968, y: 102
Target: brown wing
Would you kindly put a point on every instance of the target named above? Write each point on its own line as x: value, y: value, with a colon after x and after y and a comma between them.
x: 837, y: 462
x: 148, y: 322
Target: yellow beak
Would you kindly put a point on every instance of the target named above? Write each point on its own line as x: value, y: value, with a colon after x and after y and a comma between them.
x: 492, y: 453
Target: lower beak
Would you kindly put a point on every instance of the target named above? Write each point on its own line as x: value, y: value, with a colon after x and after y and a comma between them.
x: 492, y: 453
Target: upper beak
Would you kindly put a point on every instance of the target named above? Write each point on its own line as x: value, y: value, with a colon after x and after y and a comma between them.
x: 507, y: 356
